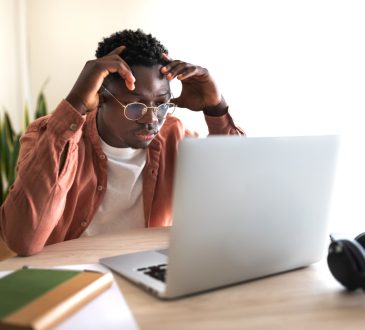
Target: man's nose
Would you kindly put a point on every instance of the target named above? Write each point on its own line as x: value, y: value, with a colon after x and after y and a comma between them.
x: 149, y: 117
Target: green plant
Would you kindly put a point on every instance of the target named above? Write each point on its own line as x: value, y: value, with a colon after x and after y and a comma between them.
x: 9, y: 144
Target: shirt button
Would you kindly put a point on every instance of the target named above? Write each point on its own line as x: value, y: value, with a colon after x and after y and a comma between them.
x: 83, y: 223
x: 100, y: 188
x: 73, y: 127
x: 102, y: 156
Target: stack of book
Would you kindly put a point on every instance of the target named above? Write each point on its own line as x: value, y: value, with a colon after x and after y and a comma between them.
x: 39, y: 299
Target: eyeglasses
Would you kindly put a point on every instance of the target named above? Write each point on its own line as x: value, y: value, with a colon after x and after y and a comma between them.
x: 136, y: 110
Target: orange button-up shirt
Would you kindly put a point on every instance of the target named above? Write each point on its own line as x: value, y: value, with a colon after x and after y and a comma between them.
x: 45, y: 206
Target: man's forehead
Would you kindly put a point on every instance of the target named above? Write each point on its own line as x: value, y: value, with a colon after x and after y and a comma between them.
x: 149, y: 81
x: 153, y: 72
x: 157, y: 93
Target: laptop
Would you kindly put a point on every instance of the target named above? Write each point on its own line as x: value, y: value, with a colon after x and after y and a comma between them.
x: 243, y: 208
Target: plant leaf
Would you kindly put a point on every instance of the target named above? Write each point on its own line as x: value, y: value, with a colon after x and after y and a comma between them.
x: 41, y: 109
x: 1, y: 164
x: 1, y: 190
x: 8, y: 127
x: 25, y: 117
x: 6, y: 144
x: 13, y: 158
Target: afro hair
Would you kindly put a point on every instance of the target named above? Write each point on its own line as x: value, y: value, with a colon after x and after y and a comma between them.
x: 141, y: 48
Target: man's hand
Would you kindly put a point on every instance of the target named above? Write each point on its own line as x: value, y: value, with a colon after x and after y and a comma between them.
x: 84, y: 94
x: 199, y: 91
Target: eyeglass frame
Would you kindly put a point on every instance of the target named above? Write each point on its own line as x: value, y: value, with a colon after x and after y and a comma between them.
x: 154, y: 109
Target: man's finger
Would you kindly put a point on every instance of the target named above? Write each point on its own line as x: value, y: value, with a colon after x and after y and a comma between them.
x: 123, y: 69
x: 166, y: 57
x: 117, y: 50
x: 175, y: 101
x: 128, y: 79
x: 187, y: 73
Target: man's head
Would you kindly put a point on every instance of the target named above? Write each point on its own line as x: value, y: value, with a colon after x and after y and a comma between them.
x: 143, y: 54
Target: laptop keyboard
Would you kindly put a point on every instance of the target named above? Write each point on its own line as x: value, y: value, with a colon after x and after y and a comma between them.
x: 158, y: 271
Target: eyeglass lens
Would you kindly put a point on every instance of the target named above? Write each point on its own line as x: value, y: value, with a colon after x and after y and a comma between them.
x: 135, y: 111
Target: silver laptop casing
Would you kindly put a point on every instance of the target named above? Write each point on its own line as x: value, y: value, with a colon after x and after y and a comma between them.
x: 244, y: 208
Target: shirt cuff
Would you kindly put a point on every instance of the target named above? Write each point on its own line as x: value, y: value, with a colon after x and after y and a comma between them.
x: 66, y: 121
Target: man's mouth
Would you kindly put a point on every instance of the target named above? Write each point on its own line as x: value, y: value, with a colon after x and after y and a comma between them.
x: 145, y: 135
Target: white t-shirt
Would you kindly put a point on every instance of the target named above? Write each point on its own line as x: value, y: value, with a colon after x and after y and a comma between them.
x: 122, y: 207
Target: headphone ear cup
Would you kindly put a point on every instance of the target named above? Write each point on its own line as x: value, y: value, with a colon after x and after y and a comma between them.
x: 361, y: 240
x: 346, y: 261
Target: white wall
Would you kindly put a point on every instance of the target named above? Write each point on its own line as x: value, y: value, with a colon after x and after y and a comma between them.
x: 12, y: 95
x: 285, y: 67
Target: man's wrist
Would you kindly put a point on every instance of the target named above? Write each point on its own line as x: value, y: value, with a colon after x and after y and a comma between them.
x: 77, y: 103
x: 217, y: 110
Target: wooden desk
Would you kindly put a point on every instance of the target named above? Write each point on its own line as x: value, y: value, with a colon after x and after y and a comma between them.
x: 304, y: 299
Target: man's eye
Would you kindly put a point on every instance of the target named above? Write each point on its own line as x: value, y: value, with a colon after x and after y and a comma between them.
x: 161, y: 102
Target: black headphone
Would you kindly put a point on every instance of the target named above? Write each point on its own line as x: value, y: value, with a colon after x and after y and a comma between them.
x: 346, y: 261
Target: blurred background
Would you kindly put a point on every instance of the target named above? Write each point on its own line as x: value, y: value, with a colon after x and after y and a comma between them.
x: 285, y: 67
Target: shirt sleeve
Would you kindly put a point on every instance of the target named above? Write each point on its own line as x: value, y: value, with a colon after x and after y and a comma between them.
x: 37, y: 198
x: 223, y: 125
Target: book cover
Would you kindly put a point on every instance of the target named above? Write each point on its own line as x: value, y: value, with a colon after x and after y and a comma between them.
x: 41, y: 298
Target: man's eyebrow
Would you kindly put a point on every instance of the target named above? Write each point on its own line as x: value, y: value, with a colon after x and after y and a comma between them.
x: 158, y: 95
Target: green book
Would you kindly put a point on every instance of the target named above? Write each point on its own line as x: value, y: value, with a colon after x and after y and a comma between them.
x: 33, y: 298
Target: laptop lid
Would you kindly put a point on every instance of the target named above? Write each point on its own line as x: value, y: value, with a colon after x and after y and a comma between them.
x: 248, y: 207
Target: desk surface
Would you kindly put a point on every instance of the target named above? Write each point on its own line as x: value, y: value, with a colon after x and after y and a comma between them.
x: 308, y: 298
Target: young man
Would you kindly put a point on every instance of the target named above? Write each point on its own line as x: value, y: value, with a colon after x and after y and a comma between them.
x: 104, y: 160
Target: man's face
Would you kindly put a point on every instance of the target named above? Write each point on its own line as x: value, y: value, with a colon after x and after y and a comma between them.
x: 152, y: 89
